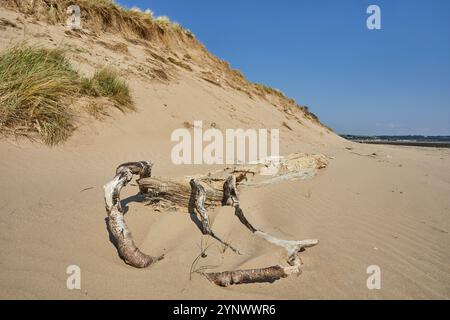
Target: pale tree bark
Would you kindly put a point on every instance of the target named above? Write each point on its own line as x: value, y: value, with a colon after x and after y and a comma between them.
x: 122, y: 237
x: 292, y: 247
x: 269, y: 274
x: 175, y: 193
x: 198, y: 199
x: 227, y: 278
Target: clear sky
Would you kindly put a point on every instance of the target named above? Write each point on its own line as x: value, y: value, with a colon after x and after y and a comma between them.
x: 358, y: 81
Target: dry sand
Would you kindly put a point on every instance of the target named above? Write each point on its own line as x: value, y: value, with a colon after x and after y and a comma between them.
x: 374, y: 205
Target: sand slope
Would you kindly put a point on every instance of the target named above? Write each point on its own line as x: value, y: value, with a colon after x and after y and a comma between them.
x: 373, y: 205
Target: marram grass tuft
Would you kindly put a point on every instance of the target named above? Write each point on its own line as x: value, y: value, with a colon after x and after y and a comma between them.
x: 38, y: 86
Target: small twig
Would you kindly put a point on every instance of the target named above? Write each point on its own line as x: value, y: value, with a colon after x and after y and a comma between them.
x: 211, y: 233
x: 201, y: 255
x: 373, y: 155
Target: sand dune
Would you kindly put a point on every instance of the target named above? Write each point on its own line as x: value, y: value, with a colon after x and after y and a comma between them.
x: 373, y: 205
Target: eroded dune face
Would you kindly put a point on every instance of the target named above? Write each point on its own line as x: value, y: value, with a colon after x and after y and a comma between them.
x: 389, y: 210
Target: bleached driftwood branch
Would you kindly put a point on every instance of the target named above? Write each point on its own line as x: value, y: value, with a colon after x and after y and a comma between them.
x: 170, y: 193
x: 198, y: 199
x: 208, y: 191
x: 123, y: 239
x: 292, y: 247
x: 269, y: 274
x: 175, y: 193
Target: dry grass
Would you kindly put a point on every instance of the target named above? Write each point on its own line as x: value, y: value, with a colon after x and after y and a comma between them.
x: 308, y: 114
x: 263, y: 89
x: 100, y: 15
x: 162, y: 20
x: 115, y: 47
x: 38, y: 86
x: 288, y: 103
x: 107, y: 83
x: 141, y: 27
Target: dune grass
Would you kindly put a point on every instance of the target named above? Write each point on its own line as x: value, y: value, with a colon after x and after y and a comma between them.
x: 107, y: 16
x: 38, y: 87
x: 100, y: 15
x: 35, y: 86
x: 107, y: 83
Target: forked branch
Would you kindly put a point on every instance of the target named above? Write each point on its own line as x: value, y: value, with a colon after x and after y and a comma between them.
x: 199, y: 198
x: 269, y: 274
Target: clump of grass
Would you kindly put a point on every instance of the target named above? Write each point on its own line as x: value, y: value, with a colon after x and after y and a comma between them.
x: 107, y: 83
x: 36, y: 85
x: 189, y: 33
x: 149, y: 13
x: 162, y: 20
x: 146, y: 12
x: 309, y: 114
x: 262, y: 88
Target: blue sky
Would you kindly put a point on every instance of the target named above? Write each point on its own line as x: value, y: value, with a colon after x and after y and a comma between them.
x: 358, y: 81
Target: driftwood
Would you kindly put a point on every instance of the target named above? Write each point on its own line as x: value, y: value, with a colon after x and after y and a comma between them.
x: 176, y: 193
x: 198, y: 202
x: 269, y: 274
x: 292, y: 247
x: 123, y: 239
x: 197, y: 194
x: 169, y: 193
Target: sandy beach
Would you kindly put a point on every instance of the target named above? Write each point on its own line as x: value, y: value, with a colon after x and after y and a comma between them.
x: 372, y: 205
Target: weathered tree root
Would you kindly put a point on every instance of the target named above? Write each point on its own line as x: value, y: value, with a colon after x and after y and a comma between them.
x: 199, y: 198
x: 227, y: 278
x: 269, y: 274
x: 177, y: 193
x: 123, y: 239
x: 291, y: 246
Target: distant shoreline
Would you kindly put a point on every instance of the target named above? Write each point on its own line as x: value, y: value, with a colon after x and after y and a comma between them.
x: 411, y: 140
x: 407, y: 143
